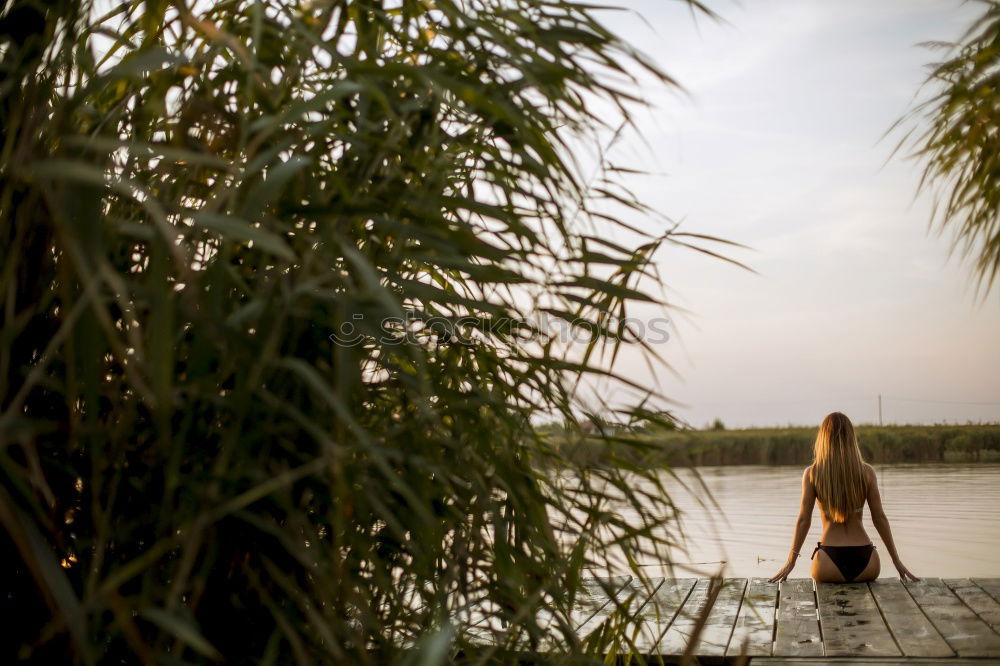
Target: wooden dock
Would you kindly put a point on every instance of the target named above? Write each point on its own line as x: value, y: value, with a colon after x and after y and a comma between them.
x: 739, y: 620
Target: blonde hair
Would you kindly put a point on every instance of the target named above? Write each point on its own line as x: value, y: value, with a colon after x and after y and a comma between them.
x: 838, y: 470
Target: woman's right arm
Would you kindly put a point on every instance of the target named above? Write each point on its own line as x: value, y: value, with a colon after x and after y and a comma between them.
x: 881, y: 522
x: 801, y: 527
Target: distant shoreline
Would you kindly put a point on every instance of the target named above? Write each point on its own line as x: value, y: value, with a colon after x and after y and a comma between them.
x: 792, y: 445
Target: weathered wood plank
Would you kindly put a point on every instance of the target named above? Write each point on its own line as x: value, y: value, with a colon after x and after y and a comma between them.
x: 796, y: 621
x: 990, y: 585
x: 719, y: 622
x: 976, y: 598
x: 862, y: 661
x: 678, y: 634
x: 753, y: 634
x: 629, y: 601
x: 603, y: 597
x: 718, y: 627
x: 874, y: 623
x: 659, y: 612
x: 966, y: 634
x: 597, y: 600
x: 851, y: 623
x: 595, y: 595
x: 914, y: 633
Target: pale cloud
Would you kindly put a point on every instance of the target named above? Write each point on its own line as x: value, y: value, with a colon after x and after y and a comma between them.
x: 781, y: 147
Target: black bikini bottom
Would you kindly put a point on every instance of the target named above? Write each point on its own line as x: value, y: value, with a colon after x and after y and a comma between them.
x: 851, y: 560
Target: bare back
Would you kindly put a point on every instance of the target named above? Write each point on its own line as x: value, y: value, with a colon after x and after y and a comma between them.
x: 852, y: 531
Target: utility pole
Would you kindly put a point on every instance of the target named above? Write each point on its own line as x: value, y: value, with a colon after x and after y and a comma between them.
x: 880, y: 409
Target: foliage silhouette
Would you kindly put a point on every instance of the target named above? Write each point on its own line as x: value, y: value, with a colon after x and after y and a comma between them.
x: 212, y: 445
x: 959, y: 144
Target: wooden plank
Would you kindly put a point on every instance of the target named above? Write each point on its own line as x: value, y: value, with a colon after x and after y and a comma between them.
x: 990, y: 585
x: 714, y: 636
x: 627, y: 603
x: 861, y: 661
x: 914, y: 633
x: 595, y: 594
x: 593, y: 597
x: 966, y: 634
x: 851, y: 623
x: 659, y: 611
x: 678, y: 634
x: 718, y: 628
x: 796, y: 621
x: 976, y: 598
x: 594, y: 604
x: 753, y: 634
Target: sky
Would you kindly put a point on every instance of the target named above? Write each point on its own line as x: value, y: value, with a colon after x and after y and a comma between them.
x: 779, y: 144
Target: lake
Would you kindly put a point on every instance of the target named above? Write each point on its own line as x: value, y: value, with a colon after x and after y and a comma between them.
x: 945, y: 520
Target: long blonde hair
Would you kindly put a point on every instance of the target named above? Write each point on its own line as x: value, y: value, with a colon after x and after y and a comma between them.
x: 838, y: 471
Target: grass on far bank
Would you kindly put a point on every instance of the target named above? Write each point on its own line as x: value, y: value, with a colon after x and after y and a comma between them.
x: 794, y: 445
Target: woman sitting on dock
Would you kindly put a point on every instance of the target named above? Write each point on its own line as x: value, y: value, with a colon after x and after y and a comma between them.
x: 841, y: 481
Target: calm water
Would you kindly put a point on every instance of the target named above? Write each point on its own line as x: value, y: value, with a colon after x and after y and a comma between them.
x: 945, y: 520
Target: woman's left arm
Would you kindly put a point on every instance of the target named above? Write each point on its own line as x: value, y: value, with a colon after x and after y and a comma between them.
x: 802, y: 524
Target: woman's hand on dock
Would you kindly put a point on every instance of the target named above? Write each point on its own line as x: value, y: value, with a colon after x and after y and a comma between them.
x: 783, y: 573
x: 904, y: 573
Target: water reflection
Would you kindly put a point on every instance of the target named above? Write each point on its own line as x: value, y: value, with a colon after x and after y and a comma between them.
x: 945, y: 520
